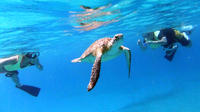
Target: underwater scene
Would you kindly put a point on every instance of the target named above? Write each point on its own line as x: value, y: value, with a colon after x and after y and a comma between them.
x: 99, y: 56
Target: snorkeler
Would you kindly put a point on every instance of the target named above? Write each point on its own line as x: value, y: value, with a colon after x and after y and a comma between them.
x: 167, y: 38
x: 12, y: 64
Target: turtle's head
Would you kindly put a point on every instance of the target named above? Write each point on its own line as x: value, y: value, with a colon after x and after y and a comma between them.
x: 118, y: 37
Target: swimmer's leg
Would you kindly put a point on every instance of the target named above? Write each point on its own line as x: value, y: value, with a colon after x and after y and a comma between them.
x: 34, y: 91
x: 14, y: 76
x: 171, y: 52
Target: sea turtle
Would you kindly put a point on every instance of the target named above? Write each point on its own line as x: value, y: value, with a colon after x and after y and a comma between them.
x: 102, y: 50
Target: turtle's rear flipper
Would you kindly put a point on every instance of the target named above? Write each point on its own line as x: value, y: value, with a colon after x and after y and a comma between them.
x: 95, y: 72
x: 34, y: 91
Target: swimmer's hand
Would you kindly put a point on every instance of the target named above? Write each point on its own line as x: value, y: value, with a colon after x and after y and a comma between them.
x: 141, y: 45
x: 40, y: 67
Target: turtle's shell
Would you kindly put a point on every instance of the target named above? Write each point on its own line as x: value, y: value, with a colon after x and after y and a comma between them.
x: 110, y: 50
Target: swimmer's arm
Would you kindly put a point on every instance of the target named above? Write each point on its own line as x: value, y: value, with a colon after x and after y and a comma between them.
x: 163, y: 41
x: 38, y: 65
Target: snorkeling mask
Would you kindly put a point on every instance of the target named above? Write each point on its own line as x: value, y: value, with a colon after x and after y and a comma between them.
x: 32, y: 55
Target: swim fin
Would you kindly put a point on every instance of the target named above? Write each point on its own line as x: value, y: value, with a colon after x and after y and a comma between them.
x: 170, y: 55
x: 34, y: 91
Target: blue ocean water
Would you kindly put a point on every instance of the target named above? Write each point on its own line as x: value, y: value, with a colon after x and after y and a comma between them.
x: 48, y: 26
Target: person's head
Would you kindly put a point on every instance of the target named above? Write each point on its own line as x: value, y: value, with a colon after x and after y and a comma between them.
x: 31, y: 57
x: 188, y: 32
x: 148, y: 36
x: 187, y: 43
x: 184, y: 40
x: 118, y: 38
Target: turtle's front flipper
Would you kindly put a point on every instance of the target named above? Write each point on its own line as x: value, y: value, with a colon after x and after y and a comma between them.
x: 76, y: 60
x: 127, y: 52
x: 95, y: 71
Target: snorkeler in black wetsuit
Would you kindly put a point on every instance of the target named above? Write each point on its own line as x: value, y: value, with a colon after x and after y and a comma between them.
x: 167, y: 38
